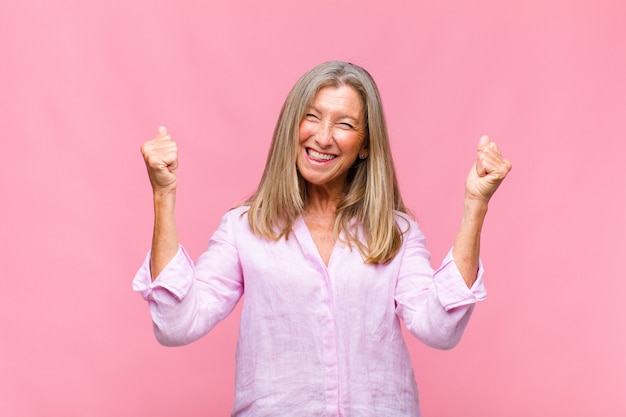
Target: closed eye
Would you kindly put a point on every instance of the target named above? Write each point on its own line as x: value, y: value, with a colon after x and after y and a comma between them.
x: 311, y: 116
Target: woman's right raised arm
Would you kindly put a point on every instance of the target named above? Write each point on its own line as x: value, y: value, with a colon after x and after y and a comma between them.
x: 161, y: 157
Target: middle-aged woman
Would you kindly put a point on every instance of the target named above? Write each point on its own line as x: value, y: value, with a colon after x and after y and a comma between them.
x: 327, y: 256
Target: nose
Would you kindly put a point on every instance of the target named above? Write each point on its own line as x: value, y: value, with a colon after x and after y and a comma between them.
x: 324, y: 134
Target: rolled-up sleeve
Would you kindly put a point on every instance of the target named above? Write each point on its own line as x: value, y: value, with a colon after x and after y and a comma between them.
x: 175, y: 279
x: 452, y: 289
x: 435, y: 305
x: 187, y: 300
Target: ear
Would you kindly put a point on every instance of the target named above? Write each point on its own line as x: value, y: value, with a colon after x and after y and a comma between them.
x: 364, y: 153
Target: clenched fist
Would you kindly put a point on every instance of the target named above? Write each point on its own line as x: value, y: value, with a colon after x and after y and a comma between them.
x: 487, y: 173
x: 161, y: 157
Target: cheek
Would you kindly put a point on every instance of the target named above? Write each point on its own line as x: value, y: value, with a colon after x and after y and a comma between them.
x: 306, y: 130
x: 352, y: 143
x: 302, y: 134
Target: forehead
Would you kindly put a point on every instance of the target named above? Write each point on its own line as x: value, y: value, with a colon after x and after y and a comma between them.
x: 343, y: 97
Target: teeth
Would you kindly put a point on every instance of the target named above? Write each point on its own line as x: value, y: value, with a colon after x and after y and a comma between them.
x: 318, y: 155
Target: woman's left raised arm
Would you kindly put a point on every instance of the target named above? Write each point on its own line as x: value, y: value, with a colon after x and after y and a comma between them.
x: 483, y: 180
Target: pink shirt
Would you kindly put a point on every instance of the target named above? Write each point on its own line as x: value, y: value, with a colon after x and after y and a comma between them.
x: 313, y: 340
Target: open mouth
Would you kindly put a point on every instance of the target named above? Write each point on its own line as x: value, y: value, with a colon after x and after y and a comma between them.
x: 319, y: 156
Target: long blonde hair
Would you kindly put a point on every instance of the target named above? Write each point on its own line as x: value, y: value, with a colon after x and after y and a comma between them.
x: 371, y: 189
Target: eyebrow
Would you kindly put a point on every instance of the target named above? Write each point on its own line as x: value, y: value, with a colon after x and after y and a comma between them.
x: 346, y: 116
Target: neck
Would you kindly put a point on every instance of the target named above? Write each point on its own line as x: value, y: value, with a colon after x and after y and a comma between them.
x: 322, y: 199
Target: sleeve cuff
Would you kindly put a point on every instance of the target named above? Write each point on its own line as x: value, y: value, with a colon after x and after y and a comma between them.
x: 176, y: 277
x: 452, y: 290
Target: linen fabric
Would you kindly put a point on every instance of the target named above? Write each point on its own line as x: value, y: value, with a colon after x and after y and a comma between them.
x: 314, y: 340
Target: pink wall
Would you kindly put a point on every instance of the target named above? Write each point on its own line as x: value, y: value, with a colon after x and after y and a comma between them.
x: 85, y: 83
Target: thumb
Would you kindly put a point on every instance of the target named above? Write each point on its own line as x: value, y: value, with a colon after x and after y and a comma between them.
x: 484, y: 141
x: 161, y: 132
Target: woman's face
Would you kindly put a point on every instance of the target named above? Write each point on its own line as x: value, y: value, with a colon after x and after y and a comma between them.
x: 331, y: 136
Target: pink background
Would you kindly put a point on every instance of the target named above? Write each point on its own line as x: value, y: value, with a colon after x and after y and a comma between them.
x: 84, y: 83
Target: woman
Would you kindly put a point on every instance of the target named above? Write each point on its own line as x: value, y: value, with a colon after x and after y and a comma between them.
x: 328, y: 257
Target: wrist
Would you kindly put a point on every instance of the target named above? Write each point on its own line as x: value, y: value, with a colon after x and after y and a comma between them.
x: 164, y: 193
x: 164, y: 200
x: 474, y: 209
